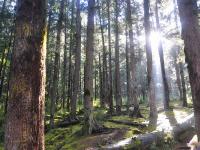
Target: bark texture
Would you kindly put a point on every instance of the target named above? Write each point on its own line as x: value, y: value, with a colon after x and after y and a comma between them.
x: 117, y: 66
x: 25, y: 113
x: 77, y: 60
x: 191, y: 36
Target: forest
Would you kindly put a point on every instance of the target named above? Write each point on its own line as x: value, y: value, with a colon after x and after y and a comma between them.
x: 99, y: 74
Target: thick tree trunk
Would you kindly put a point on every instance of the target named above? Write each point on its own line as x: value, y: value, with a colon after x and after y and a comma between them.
x: 162, y: 62
x: 191, y: 36
x: 184, y: 96
x: 151, y: 91
x: 117, y: 66
x: 110, y: 95
x: 25, y: 113
x: 77, y: 60
x: 90, y: 124
x: 56, y: 65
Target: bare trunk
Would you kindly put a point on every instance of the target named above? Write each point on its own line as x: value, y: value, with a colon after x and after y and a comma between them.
x: 56, y: 66
x: 25, y: 112
x: 133, y: 102
x: 77, y: 60
x: 184, y: 96
x: 110, y: 95
x: 117, y: 66
x: 90, y: 124
x: 151, y: 92
x: 162, y: 63
x: 191, y: 36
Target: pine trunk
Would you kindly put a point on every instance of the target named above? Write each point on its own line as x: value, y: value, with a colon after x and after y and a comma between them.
x: 191, y: 36
x: 25, y: 113
x: 117, y: 66
x: 151, y: 85
x: 77, y: 60
x: 56, y: 66
x: 162, y: 63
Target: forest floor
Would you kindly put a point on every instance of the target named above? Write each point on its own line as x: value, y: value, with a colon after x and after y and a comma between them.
x: 119, y: 128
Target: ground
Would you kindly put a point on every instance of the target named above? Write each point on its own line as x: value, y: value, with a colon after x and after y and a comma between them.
x: 70, y: 138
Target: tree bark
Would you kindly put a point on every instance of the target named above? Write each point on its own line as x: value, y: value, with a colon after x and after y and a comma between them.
x: 151, y: 85
x: 56, y: 65
x: 90, y: 124
x: 104, y: 76
x: 25, y: 114
x: 184, y: 96
x: 133, y: 102
x: 77, y: 60
x: 110, y: 95
x: 162, y: 62
x: 117, y: 66
x: 191, y: 36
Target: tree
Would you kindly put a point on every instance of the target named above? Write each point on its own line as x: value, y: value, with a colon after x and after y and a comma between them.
x: 90, y: 123
x: 151, y: 87
x: 117, y: 67
x: 25, y: 114
x: 162, y: 62
x: 56, y: 65
x: 191, y: 36
x: 132, y: 102
x: 110, y: 95
x: 77, y: 60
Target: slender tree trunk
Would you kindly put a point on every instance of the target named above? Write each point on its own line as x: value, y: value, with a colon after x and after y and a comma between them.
x: 184, y: 96
x: 56, y: 65
x: 117, y: 66
x: 110, y: 95
x: 77, y: 61
x: 151, y: 91
x: 90, y: 124
x: 128, y: 71
x: 48, y: 60
x: 191, y: 36
x: 133, y: 102
x: 162, y: 63
x: 25, y: 114
x: 100, y: 80
x: 64, y: 80
x: 104, y: 83
x: 70, y: 89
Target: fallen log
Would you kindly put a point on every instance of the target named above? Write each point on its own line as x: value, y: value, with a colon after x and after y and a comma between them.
x: 147, y: 139
x: 129, y: 123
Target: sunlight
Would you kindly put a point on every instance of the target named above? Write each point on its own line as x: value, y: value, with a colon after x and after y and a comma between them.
x: 154, y: 37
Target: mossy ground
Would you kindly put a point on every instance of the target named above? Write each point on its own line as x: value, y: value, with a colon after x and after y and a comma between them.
x: 70, y: 138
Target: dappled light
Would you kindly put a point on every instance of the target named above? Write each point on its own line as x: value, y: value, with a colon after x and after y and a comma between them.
x: 99, y: 74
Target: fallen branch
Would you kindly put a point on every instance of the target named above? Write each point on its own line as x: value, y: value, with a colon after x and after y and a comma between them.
x: 129, y: 123
x: 154, y: 137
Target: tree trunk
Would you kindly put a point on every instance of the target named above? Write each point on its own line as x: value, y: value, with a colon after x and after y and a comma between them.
x: 117, y: 66
x: 151, y: 85
x: 184, y: 96
x: 90, y: 124
x: 25, y: 113
x: 133, y: 102
x: 56, y: 65
x: 191, y: 36
x: 77, y: 60
x: 64, y: 78
x: 110, y: 95
x: 70, y: 89
x: 162, y: 62
x: 104, y: 76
